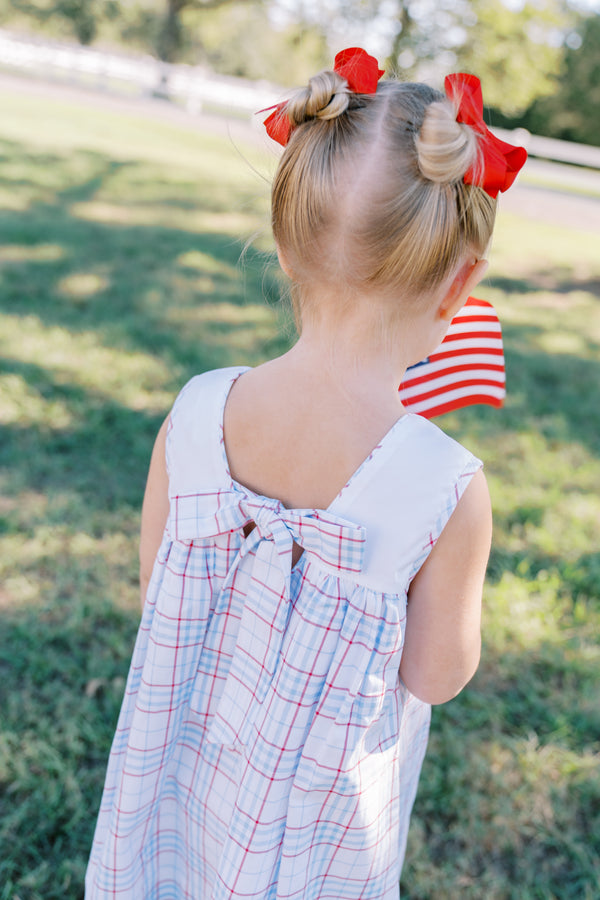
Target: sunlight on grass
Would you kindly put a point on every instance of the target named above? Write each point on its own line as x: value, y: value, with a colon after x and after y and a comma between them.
x: 57, y: 564
x: 26, y: 253
x: 81, y: 285
x: 124, y: 135
x: 148, y: 216
x: 10, y: 201
x: 228, y: 314
x: 563, y: 343
x: 81, y: 360
x: 524, y: 611
x: 573, y: 313
x: 24, y: 405
x: 195, y: 259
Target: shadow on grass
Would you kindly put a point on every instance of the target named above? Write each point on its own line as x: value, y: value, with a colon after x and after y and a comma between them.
x: 143, y: 271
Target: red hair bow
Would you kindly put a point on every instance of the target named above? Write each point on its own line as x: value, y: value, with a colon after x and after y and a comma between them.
x: 360, y: 70
x: 501, y: 161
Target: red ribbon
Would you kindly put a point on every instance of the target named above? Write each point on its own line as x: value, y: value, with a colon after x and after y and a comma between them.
x: 501, y: 161
x: 360, y: 70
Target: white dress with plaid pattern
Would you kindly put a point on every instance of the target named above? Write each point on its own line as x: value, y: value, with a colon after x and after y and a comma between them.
x: 266, y: 748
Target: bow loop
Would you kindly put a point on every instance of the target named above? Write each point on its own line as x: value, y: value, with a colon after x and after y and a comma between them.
x: 332, y: 540
x: 204, y: 515
x: 360, y: 70
x: 501, y: 162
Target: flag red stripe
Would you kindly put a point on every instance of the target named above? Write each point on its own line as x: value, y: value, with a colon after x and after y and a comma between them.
x: 472, y: 335
x: 462, y: 402
x: 487, y: 322
x: 472, y: 303
x: 453, y: 370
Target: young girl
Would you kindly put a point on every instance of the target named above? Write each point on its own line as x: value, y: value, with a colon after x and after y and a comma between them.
x: 312, y: 556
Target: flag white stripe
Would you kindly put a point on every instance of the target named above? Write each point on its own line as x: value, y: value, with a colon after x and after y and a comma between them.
x: 467, y: 344
x: 482, y: 312
x: 467, y: 327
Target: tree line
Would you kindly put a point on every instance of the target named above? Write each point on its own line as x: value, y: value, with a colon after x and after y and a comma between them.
x: 539, y: 62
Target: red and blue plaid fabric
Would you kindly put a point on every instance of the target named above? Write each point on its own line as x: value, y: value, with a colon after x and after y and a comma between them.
x: 266, y: 749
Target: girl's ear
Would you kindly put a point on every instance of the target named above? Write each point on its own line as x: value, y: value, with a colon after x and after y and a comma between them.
x: 465, y: 281
x: 283, y: 262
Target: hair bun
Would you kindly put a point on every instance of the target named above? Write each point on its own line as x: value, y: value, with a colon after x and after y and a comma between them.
x: 325, y: 97
x: 446, y: 149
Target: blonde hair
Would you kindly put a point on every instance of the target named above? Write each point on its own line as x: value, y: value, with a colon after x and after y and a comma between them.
x: 369, y: 192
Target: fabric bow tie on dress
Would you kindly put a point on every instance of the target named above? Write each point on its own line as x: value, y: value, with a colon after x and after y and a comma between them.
x: 500, y: 161
x: 360, y: 70
x: 266, y: 558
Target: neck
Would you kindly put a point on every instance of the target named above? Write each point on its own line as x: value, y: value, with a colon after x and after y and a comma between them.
x: 361, y: 343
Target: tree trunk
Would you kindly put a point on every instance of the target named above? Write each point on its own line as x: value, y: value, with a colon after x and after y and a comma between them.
x: 169, y: 39
x: 402, y: 39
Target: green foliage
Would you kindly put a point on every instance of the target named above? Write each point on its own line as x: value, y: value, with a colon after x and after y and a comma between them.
x: 516, y: 53
x: 81, y: 19
x: 240, y: 40
x: 119, y: 279
x: 515, y: 50
x: 532, y: 71
x: 572, y: 111
x: 171, y: 34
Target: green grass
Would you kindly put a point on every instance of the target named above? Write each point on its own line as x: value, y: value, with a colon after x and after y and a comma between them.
x: 120, y: 278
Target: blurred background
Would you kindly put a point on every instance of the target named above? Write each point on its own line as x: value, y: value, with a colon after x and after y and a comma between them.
x: 538, y: 60
x: 135, y: 252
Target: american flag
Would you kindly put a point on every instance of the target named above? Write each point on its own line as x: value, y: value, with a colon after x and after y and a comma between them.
x: 467, y: 367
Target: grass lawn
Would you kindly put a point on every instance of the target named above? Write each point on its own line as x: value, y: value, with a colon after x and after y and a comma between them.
x: 120, y: 278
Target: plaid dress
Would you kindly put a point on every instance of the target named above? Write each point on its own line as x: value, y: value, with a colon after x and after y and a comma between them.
x: 266, y: 748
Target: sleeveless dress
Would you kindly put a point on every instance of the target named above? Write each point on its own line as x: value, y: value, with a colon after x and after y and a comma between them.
x: 266, y: 747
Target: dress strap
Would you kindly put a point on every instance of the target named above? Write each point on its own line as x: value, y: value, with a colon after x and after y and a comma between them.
x: 195, y: 451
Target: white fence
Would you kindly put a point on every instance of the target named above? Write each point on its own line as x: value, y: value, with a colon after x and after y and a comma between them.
x: 196, y: 86
x: 84, y: 66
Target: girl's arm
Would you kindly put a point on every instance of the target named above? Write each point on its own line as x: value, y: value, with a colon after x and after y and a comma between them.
x: 443, y: 629
x: 155, y: 510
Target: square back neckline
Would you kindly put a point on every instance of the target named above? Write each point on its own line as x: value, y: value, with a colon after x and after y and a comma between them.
x: 344, y: 490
